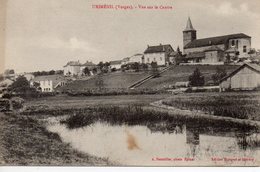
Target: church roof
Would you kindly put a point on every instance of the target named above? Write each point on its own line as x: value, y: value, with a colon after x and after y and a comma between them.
x: 214, y: 40
x: 189, y: 26
x: 158, y: 48
x: 195, y: 55
x: 213, y: 48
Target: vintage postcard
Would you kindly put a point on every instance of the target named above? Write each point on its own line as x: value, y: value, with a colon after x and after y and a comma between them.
x: 130, y: 83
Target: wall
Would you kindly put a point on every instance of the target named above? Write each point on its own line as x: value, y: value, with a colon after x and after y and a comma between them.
x: 160, y: 58
x: 189, y: 36
x: 74, y: 70
x: 46, y: 86
x: 137, y: 59
x: 213, y: 57
x: 245, y: 79
x: 241, y: 42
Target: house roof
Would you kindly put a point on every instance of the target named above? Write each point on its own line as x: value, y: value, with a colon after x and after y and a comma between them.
x: 88, y: 64
x: 252, y: 66
x: 214, y: 40
x: 115, y: 62
x: 158, y: 48
x: 54, y: 78
x: 231, y: 50
x: 73, y: 63
x: 195, y: 55
x: 126, y: 59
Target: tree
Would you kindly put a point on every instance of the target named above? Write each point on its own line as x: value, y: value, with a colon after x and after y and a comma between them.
x: 86, y: 71
x: 155, y: 70
x: 196, y: 79
x: 1, y: 77
x: 220, y: 73
x: 94, y: 70
x: 52, y: 72
x: 21, y: 86
x: 135, y: 66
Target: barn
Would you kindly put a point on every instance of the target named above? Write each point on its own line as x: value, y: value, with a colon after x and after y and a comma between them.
x: 246, y: 77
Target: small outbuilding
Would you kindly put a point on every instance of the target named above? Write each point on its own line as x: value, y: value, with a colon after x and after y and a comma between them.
x: 246, y: 77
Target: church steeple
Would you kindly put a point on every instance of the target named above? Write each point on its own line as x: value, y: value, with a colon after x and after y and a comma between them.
x: 189, y: 26
x: 189, y: 33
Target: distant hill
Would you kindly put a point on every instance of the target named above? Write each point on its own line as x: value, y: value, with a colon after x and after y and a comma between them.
x: 115, y: 80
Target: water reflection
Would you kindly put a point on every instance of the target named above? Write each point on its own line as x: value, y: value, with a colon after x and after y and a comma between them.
x: 145, y: 145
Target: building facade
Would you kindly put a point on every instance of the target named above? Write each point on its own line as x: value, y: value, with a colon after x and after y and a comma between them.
x: 48, y: 83
x: 226, y: 48
x: 159, y: 54
x: 116, y: 64
x: 246, y: 77
x: 137, y: 58
x: 76, y: 68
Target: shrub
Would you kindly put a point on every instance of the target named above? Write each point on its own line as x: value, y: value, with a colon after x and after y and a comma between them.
x: 196, y: 79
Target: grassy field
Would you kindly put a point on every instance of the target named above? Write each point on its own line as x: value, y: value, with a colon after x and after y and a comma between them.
x: 113, y: 80
x: 243, y: 105
x: 182, y: 73
x: 25, y: 141
x: 122, y: 80
x: 64, y: 101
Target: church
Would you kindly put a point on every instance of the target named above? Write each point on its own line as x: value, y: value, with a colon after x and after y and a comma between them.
x: 214, y: 50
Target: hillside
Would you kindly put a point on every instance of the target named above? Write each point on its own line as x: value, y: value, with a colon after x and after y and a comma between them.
x: 182, y: 73
x: 116, y: 80
x: 122, y: 80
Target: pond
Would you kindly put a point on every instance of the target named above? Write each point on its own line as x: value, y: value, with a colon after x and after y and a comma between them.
x: 161, y: 144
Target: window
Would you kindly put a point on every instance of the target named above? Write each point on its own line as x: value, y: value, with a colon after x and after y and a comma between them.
x: 244, y: 49
x: 161, y: 58
x: 148, y: 60
x: 237, y: 44
x: 233, y: 43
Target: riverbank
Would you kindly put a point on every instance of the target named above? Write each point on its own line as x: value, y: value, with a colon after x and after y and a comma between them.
x: 25, y: 141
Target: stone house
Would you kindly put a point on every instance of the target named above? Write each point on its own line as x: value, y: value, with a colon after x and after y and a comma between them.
x: 159, y: 54
x: 48, y: 83
x: 76, y: 68
x: 139, y: 58
x: 116, y: 64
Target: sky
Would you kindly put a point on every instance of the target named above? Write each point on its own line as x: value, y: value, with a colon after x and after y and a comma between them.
x: 46, y: 34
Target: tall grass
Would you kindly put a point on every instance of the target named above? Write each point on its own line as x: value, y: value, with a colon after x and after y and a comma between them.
x: 236, y: 106
x: 136, y: 115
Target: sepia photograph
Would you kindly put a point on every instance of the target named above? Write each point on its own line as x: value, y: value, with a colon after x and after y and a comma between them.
x: 130, y: 83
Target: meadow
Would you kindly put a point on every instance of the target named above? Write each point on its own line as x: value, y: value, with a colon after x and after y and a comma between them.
x: 242, y: 105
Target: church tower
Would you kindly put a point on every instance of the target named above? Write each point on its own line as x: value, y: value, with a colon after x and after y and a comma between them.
x: 189, y: 34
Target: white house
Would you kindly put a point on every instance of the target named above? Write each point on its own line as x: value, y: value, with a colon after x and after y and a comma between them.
x: 72, y: 68
x: 139, y: 58
x: 159, y: 54
x: 76, y: 68
x: 48, y: 83
x: 246, y: 77
x: 116, y: 64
